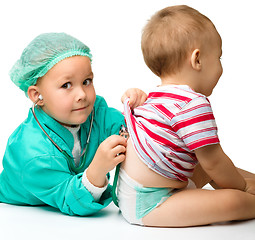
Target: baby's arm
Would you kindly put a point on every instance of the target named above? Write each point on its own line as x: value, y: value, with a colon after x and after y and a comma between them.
x: 220, y: 167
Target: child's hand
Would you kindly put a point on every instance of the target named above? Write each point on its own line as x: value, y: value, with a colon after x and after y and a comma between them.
x: 250, y: 185
x: 136, y: 97
x: 109, y: 154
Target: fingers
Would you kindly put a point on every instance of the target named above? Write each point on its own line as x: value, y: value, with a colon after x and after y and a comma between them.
x: 138, y: 100
x: 116, y: 140
x: 118, y: 145
x: 120, y: 149
x: 120, y: 158
x: 123, y: 98
x: 143, y: 98
x: 136, y: 97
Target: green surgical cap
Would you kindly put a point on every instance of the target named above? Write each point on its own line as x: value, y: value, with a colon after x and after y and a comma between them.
x: 42, y: 54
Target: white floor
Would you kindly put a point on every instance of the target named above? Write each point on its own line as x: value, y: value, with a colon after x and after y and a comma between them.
x: 18, y: 222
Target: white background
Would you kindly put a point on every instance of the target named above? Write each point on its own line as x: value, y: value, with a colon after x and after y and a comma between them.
x: 112, y: 29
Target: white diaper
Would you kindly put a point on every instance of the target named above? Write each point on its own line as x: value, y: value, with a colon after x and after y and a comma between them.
x: 136, y: 201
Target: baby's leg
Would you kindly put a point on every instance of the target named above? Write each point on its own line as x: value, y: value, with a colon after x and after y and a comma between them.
x: 201, y: 207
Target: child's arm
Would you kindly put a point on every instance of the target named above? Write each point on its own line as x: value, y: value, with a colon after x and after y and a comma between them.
x: 108, y: 155
x: 136, y: 97
x: 220, y: 167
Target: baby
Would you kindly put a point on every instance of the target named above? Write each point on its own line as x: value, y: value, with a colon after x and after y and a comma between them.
x: 173, y: 149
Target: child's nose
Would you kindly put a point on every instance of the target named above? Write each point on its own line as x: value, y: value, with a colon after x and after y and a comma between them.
x: 80, y: 94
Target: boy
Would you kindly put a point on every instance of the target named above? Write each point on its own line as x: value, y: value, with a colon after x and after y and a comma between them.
x: 68, y: 130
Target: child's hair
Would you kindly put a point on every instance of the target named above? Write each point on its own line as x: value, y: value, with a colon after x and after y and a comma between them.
x: 42, y: 54
x: 170, y: 35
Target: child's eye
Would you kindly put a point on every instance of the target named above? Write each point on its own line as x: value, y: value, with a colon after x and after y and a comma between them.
x: 66, y: 85
x: 87, y: 81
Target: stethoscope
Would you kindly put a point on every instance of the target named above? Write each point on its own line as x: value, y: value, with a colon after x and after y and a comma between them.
x: 70, y: 161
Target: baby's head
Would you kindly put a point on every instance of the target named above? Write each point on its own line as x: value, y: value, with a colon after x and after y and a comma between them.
x: 171, y: 35
x: 57, y: 67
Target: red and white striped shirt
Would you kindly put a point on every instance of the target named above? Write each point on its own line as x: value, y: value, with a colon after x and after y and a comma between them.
x: 173, y: 122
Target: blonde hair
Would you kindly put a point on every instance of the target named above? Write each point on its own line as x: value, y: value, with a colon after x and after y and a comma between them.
x: 170, y: 35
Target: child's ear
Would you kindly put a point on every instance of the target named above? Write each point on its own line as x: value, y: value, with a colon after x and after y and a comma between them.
x: 195, y: 60
x: 33, y: 94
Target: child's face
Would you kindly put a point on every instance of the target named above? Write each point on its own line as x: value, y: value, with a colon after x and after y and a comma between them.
x: 68, y: 91
x: 211, y: 65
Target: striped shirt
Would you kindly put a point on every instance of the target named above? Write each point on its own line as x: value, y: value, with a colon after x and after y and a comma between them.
x: 172, y: 123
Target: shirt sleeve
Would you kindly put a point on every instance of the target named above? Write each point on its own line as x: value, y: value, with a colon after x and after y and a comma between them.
x: 195, y: 124
x: 48, y: 180
x: 96, y: 192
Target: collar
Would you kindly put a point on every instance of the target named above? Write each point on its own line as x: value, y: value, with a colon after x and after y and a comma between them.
x: 59, y: 134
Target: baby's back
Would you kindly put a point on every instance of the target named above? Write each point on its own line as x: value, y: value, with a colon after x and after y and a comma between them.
x: 141, y: 173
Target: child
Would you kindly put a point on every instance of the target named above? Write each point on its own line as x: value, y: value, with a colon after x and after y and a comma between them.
x: 67, y: 131
x: 173, y: 149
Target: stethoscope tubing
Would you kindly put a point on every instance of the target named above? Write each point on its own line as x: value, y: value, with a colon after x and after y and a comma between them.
x: 73, y: 168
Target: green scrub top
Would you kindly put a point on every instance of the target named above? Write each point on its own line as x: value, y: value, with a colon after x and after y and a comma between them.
x: 35, y: 172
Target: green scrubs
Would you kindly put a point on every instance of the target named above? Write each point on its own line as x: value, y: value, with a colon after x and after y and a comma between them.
x: 37, y: 173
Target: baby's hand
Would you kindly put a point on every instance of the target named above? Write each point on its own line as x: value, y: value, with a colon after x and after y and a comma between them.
x: 250, y: 185
x: 108, y: 155
x: 136, y: 97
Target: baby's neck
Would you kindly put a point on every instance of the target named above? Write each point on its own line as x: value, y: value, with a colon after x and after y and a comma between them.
x: 179, y: 78
x: 174, y: 80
